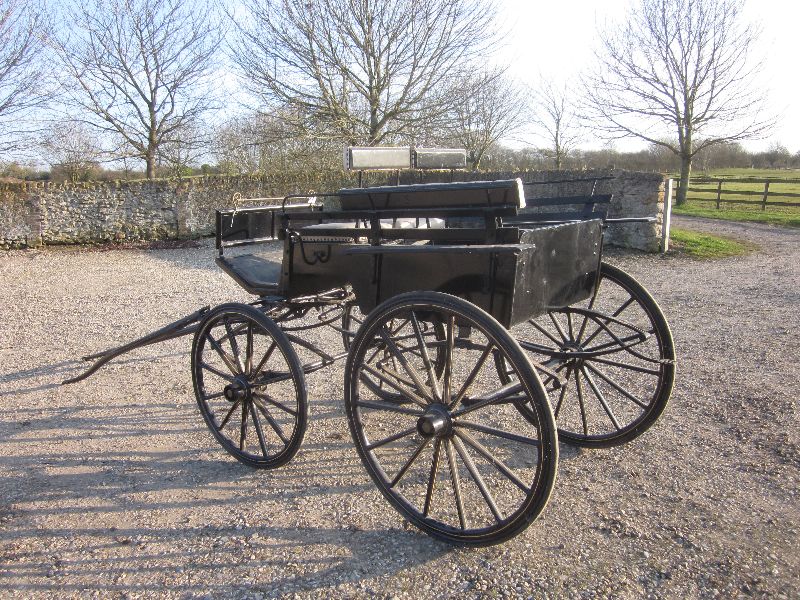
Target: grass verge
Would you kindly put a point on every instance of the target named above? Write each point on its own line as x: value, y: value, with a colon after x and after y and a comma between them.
x: 704, y: 246
x: 773, y: 217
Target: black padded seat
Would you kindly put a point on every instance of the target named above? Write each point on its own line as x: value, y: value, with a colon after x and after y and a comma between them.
x: 256, y: 274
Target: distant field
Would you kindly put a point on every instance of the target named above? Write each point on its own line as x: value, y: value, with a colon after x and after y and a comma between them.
x: 784, y: 186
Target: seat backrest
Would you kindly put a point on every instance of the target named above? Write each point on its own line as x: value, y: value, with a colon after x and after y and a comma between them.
x: 253, y: 225
x: 507, y: 192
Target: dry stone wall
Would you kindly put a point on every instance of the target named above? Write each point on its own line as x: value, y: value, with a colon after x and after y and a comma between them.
x: 36, y: 213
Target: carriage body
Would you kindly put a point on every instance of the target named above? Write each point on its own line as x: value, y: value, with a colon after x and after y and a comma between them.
x: 401, y: 239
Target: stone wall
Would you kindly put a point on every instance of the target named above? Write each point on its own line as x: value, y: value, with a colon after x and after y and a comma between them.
x: 36, y: 213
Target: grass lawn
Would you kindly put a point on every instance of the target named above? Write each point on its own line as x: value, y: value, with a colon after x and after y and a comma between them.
x: 788, y: 216
x: 704, y: 246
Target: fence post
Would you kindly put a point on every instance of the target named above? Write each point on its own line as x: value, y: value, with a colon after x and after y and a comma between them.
x: 764, y: 199
x: 665, y: 222
x: 719, y: 191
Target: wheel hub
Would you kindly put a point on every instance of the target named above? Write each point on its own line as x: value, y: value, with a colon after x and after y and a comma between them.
x: 237, y: 391
x: 435, y: 422
x: 570, y: 347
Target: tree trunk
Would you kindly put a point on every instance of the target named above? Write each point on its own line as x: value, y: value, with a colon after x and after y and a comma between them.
x: 475, y: 159
x: 683, y: 184
x: 150, y: 172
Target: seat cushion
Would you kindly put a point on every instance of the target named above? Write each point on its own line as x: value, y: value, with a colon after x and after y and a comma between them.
x: 256, y: 274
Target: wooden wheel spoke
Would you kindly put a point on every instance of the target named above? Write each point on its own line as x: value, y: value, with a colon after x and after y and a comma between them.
x: 579, y: 389
x: 582, y: 329
x: 538, y: 348
x: 476, y: 477
x: 243, y: 429
x: 503, y: 393
x: 263, y: 361
x: 406, y: 392
x: 600, y: 398
x: 492, y: 459
x: 622, y: 365
x: 620, y: 344
x: 432, y: 478
x: 217, y: 372
x: 412, y: 372
x: 259, y: 432
x: 388, y: 407
x: 228, y: 415
x: 616, y: 386
x: 557, y: 325
x: 404, y: 469
x: 546, y: 333
x: 471, y: 377
x: 448, y: 360
x: 248, y: 361
x: 234, y: 345
x: 456, y: 483
x: 522, y: 439
x: 392, y: 438
x: 426, y: 359
x: 260, y: 397
x: 226, y: 358
x: 562, y: 394
x: 272, y: 423
x: 615, y: 314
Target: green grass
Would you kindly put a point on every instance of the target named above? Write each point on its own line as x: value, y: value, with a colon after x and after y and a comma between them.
x: 771, y: 216
x: 788, y: 216
x: 704, y: 246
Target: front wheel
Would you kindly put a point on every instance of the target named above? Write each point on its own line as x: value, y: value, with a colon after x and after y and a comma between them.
x: 249, y: 385
x: 464, y: 457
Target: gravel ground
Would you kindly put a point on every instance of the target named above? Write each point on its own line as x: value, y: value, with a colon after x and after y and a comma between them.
x: 113, y: 487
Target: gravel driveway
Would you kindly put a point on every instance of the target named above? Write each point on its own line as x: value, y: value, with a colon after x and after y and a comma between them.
x: 113, y: 487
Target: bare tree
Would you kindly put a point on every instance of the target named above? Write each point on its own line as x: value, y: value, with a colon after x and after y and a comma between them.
x: 24, y: 27
x: 678, y: 69
x: 235, y: 148
x: 140, y: 69
x: 555, y: 118
x: 181, y: 152
x: 360, y: 71
x: 72, y: 149
x: 488, y: 106
x: 264, y: 142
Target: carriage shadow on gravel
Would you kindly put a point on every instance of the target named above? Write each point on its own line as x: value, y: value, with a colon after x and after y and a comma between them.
x: 140, y: 482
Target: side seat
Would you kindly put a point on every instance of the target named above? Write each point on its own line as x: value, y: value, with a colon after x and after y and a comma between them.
x: 256, y: 274
x: 399, y: 223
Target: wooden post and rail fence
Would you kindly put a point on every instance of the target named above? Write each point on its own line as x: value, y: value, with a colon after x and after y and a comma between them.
x: 721, y: 191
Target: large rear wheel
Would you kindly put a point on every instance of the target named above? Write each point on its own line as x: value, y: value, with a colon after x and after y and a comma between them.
x: 610, y: 362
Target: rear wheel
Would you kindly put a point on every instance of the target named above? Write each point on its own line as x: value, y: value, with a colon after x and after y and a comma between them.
x: 249, y: 385
x: 466, y: 458
x: 610, y: 362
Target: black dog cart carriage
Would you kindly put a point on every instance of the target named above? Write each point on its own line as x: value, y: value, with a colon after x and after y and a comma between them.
x: 489, y: 335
